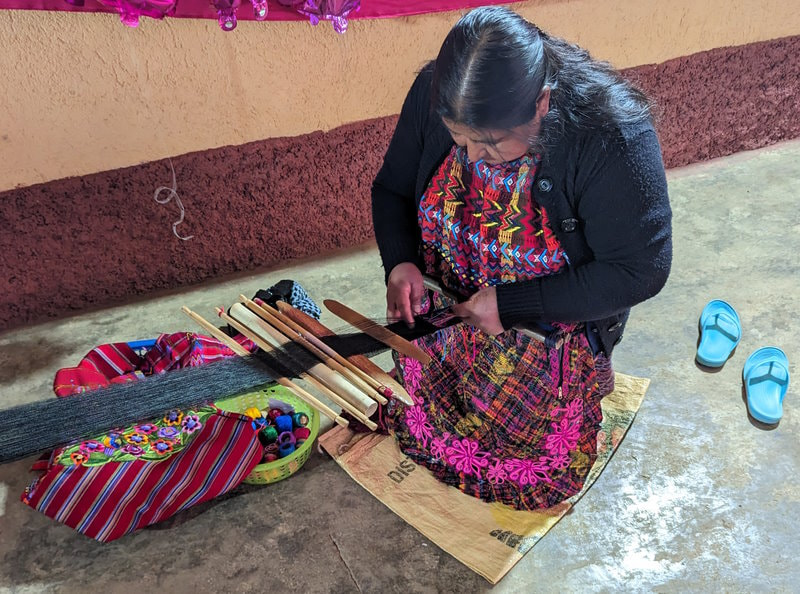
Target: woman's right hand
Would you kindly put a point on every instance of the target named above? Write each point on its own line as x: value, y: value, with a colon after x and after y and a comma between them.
x: 404, y: 292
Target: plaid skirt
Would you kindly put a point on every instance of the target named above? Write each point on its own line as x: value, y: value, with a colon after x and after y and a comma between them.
x: 503, y: 418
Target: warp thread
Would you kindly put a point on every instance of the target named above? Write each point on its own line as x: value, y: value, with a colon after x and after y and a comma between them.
x: 45, y: 424
x: 172, y: 195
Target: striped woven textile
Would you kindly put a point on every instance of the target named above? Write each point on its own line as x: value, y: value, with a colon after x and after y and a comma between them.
x: 108, y: 501
x: 118, y: 363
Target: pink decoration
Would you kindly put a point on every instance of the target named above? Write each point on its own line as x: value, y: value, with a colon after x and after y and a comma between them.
x: 466, y: 457
x: 564, y: 437
x: 335, y: 11
x: 527, y: 472
x: 497, y: 474
x: 279, y: 10
x: 226, y: 13
x: 130, y: 10
x: 260, y: 10
x: 418, y: 425
x: 412, y: 374
x: 439, y: 446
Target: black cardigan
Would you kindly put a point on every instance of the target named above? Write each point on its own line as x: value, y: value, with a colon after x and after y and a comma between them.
x: 605, y: 194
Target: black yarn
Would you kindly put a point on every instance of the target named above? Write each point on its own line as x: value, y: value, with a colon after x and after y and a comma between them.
x: 44, y: 425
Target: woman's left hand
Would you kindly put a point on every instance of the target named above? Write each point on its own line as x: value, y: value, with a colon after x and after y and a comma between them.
x: 480, y: 311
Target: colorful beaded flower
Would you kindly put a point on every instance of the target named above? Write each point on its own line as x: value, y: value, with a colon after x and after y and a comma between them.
x: 170, y: 433
x: 91, y: 447
x: 113, y: 441
x: 146, y: 428
x: 133, y: 450
x: 173, y: 417
x: 162, y: 447
x: 191, y: 423
x: 78, y: 458
x: 136, y: 438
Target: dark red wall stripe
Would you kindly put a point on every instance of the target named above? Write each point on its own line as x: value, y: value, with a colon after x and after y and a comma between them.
x: 100, y: 239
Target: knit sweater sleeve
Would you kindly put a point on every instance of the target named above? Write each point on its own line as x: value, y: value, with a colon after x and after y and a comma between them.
x: 626, y: 218
x: 394, y: 206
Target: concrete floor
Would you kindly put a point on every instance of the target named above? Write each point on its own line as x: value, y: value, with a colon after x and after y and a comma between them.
x: 696, y: 499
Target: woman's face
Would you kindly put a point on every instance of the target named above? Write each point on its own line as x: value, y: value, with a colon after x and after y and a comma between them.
x: 491, y: 146
x: 499, y: 146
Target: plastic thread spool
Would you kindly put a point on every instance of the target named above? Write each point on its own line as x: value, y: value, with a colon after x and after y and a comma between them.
x: 259, y: 423
x: 274, y: 414
x: 270, y: 458
x: 253, y: 413
x: 300, y: 419
x: 286, y: 443
x: 271, y: 448
x: 283, y: 424
x: 270, y: 434
x: 302, y: 434
x: 286, y: 437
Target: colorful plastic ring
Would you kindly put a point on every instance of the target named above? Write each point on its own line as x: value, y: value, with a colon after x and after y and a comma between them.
x: 286, y: 437
x: 270, y: 434
x: 283, y: 423
x: 286, y: 449
x: 302, y: 433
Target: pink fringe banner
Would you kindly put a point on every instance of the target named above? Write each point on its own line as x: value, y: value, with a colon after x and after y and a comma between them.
x: 337, y: 11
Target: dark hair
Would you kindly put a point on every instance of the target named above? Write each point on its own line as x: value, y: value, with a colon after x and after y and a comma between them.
x: 494, y: 64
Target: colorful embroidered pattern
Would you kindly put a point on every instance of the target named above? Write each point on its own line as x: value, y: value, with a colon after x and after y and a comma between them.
x: 132, y: 477
x: 481, y: 227
x: 109, y: 500
x: 146, y: 441
x: 502, y: 418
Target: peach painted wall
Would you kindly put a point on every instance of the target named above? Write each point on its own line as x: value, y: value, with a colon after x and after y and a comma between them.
x: 81, y: 93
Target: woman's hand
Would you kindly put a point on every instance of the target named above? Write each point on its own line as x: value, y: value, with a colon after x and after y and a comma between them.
x: 404, y: 292
x: 480, y: 311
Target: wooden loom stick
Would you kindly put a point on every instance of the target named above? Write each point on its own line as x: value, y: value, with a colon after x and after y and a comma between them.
x: 343, y: 388
x: 334, y: 396
x: 289, y: 329
x: 376, y: 331
x: 362, y: 362
x: 216, y: 332
x: 285, y: 382
x: 309, y: 335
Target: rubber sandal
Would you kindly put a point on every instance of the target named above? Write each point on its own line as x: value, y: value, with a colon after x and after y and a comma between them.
x: 766, y: 379
x: 720, y: 332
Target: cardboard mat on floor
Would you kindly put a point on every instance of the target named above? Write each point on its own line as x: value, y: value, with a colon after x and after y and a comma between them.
x: 488, y: 538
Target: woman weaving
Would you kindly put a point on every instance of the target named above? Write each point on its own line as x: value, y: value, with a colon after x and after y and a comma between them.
x: 527, y: 178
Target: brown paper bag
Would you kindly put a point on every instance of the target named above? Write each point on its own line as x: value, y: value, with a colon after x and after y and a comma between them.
x: 487, y: 537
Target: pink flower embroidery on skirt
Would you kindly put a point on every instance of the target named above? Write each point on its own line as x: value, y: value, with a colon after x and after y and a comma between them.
x: 466, y: 458
x: 418, y: 424
x: 558, y: 461
x: 496, y: 474
x: 438, y: 446
x: 412, y: 374
x: 527, y: 472
x: 573, y: 410
x: 564, y: 437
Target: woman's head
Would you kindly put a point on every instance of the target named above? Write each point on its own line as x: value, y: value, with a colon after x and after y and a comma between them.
x: 502, y: 86
x: 489, y: 83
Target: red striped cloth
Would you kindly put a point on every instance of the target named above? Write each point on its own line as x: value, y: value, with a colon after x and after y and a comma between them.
x: 106, y: 502
x: 118, y: 363
x: 115, y: 498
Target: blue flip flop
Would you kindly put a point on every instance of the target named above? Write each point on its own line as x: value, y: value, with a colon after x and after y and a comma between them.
x: 766, y: 379
x: 720, y: 332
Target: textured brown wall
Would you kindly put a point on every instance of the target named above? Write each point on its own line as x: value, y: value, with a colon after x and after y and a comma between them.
x: 81, y: 93
x: 98, y: 239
